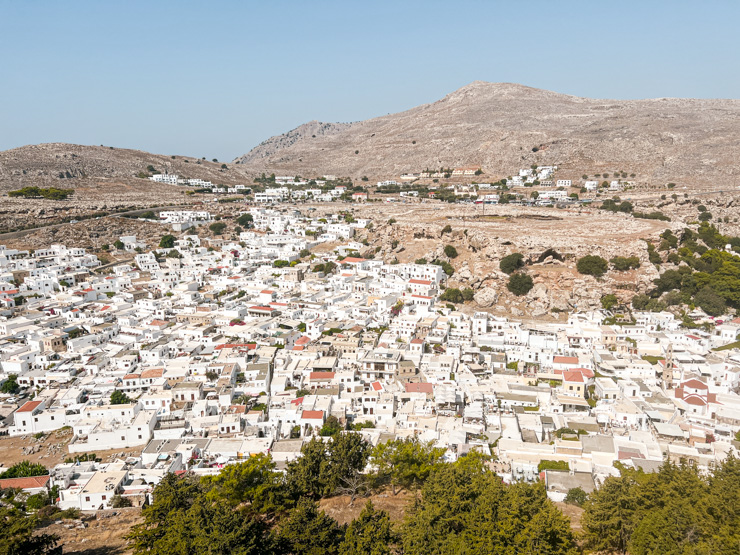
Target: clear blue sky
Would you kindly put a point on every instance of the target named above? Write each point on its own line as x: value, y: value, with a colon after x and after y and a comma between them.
x: 216, y: 78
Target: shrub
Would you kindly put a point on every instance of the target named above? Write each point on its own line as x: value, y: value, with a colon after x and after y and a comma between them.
x: 245, y: 220
x: 119, y: 398
x: 592, y: 265
x: 623, y: 263
x: 452, y: 295
x: 217, y: 228
x: 117, y: 502
x: 450, y: 251
x: 520, y: 284
x: 609, y: 301
x: 576, y: 496
x: 511, y: 263
x: 447, y: 229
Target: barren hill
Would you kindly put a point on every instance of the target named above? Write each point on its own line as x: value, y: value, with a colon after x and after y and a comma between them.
x: 68, y: 165
x: 503, y: 126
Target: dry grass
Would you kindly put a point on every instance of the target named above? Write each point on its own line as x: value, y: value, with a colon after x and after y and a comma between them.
x: 103, y: 534
x: 49, y: 450
x: 339, y: 507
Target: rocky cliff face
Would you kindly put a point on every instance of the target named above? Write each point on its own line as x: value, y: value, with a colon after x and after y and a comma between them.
x: 502, y: 127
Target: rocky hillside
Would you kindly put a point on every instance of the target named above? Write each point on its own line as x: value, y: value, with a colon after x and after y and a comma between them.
x: 502, y: 127
x: 67, y: 166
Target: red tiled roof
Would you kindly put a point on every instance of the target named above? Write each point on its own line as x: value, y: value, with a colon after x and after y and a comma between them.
x: 321, y: 375
x: 585, y: 371
x: 29, y: 406
x: 695, y: 400
x: 31, y: 482
x: 302, y: 340
x: 152, y: 373
x: 377, y: 386
x: 313, y: 414
x: 695, y: 384
x: 417, y: 341
x: 352, y: 260
x: 420, y: 281
x: 564, y: 360
x: 419, y: 388
x: 236, y: 345
x: 573, y: 377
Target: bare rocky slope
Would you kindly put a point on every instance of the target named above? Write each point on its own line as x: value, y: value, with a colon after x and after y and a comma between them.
x: 503, y: 126
x: 68, y: 165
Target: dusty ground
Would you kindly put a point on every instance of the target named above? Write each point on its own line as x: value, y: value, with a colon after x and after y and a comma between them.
x: 103, y: 534
x: 574, y: 514
x: 50, y: 450
x: 339, y: 507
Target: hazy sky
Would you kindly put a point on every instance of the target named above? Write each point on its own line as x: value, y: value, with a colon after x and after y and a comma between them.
x: 216, y: 78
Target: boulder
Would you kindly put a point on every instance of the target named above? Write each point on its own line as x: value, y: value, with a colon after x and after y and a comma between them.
x: 486, y: 296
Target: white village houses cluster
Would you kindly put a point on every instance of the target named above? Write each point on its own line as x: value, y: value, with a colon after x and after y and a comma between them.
x: 223, y: 353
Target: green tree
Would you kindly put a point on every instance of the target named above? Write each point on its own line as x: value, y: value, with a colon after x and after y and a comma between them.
x: 592, y: 265
x: 511, y: 263
x: 18, y: 535
x: 609, y: 301
x: 466, y: 508
x: 404, y: 462
x: 520, y: 284
x: 25, y: 469
x: 322, y: 466
x: 254, y: 481
x: 167, y: 242
x: 245, y: 220
x: 217, y: 228
x: 309, y: 531
x: 576, y: 496
x: 451, y: 295
x: 331, y: 426
x: 450, y: 251
x: 10, y: 385
x: 468, y: 294
x: 710, y: 302
x: 119, y: 398
x: 370, y: 533
x: 119, y: 244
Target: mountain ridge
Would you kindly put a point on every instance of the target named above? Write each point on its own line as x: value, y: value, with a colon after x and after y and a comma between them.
x: 504, y: 126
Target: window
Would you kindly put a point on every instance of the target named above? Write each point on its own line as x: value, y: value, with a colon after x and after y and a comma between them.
x: 105, y: 497
x: 87, y: 499
x: 123, y: 438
